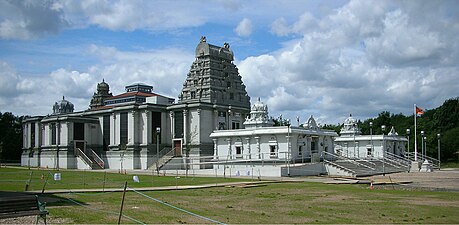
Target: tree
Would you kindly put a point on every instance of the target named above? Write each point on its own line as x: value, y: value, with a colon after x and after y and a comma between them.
x: 10, y: 137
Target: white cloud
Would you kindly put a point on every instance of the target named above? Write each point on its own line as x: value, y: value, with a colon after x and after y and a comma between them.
x: 363, y: 58
x: 244, y: 28
x: 164, y: 69
x: 29, y: 19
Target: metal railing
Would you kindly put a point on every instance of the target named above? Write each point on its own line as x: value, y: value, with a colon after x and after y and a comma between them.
x: 340, y: 166
x: 83, y: 156
x: 353, y: 161
x: 402, y: 161
x: 96, y: 158
x: 435, y: 162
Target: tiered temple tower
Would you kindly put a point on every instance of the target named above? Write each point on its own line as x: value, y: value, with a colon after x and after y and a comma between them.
x: 213, y: 97
x: 213, y: 78
x: 103, y: 92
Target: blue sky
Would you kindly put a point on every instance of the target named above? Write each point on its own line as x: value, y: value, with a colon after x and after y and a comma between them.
x: 322, y: 58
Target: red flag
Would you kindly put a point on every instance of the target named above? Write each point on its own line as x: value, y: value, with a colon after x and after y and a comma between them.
x: 419, y: 111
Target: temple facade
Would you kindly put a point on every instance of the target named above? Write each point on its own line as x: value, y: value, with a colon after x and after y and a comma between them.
x: 133, y: 130
x: 352, y: 144
x: 260, y: 149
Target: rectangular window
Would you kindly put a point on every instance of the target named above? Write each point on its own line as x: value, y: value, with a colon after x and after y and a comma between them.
x: 32, y: 135
x: 106, y: 131
x: 272, y: 151
x: 53, y: 133
x: 231, y: 96
x: 239, y: 151
x: 369, y: 152
x: 235, y: 125
x: 300, y: 150
x: 155, y: 123
x: 178, y: 124
x: 78, y: 131
x: 123, y: 128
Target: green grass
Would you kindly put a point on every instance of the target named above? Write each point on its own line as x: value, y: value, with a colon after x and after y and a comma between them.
x: 274, y: 203
x: 16, y: 179
x: 291, y: 203
x: 450, y: 165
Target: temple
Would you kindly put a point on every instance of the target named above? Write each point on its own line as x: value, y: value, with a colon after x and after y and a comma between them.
x: 211, y: 129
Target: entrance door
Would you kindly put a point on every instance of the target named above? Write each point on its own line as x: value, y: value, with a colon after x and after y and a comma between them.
x: 81, y: 145
x: 178, y: 147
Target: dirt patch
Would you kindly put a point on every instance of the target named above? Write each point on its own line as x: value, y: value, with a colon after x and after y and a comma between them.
x: 33, y: 219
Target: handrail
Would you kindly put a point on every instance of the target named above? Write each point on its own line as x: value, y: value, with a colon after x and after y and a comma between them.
x: 96, y: 158
x: 349, y: 160
x: 397, y: 159
x: 400, y: 158
x: 84, y: 157
x: 339, y: 166
x: 434, y: 161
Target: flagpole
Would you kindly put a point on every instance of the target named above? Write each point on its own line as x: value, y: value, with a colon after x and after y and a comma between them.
x: 415, y: 138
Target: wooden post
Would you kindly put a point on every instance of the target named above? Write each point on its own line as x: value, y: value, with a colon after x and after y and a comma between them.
x: 28, y: 182
x: 103, y: 187
x: 44, y: 185
x: 122, y: 203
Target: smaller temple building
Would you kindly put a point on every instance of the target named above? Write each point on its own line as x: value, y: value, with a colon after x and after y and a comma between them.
x: 352, y: 144
x: 261, y: 149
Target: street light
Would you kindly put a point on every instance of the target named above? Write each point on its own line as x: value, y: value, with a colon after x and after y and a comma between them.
x: 158, y: 130
x: 438, y: 137
x: 422, y: 145
x: 425, y: 147
x: 383, y: 128
x: 408, y: 135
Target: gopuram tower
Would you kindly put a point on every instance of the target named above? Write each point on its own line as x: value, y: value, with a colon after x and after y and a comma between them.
x: 213, y: 97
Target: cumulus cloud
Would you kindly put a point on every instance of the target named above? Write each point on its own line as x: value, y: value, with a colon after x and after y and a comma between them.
x: 362, y: 58
x: 119, y: 68
x: 244, y: 28
x: 30, y: 19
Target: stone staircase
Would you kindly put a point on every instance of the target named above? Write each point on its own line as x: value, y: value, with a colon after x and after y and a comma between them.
x: 364, y: 168
x: 90, y: 158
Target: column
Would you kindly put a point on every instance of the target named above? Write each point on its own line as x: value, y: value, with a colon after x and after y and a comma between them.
x: 258, y: 147
x: 131, y: 129
x: 198, y: 131
x: 249, y: 153
x: 113, y: 130
x: 185, y: 127
x: 215, y: 148
x: 230, y: 154
x: 215, y: 119
x: 147, y: 129
x: 171, y: 116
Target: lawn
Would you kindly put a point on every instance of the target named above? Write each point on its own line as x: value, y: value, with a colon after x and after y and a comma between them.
x: 290, y: 202
x: 20, y: 179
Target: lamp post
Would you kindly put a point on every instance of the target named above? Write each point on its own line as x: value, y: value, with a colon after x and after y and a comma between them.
x: 383, y: 128
x: 371, y: 138
x: 158, y: 130
x: 425, y: 147
x: 438, y: 139
x: 422, y: 145
x: 408, y: 135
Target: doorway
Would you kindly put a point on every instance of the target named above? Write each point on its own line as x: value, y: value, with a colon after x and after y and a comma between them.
x: 178, y: 147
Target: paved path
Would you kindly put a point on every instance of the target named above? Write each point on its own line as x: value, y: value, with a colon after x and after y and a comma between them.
x: 164, y: 188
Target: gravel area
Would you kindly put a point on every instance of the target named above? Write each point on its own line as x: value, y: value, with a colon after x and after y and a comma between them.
x: 33, y: 219
x: 447, y: 179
